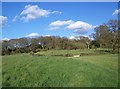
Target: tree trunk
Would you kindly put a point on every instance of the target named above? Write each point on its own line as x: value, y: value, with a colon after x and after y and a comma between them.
x: 88, y: 46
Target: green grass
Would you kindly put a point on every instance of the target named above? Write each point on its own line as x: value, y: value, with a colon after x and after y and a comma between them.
x: 63, y: 52
x: 58, y: 52
x: 55, y: 71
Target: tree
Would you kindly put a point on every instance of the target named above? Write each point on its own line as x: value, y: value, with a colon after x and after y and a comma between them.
x: 85, y: 40
x: 114, y: 29
x: 6, y: 50
x: 94, y: 44
x: 107, y: 35
x: 102, y: 35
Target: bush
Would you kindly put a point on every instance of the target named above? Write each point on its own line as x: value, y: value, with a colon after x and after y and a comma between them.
x: 32, y: 53
x: 38, y: 50
x: 68, y: 55
x: 13, y: 52
x: 87, y: 54
x: 57, y: 55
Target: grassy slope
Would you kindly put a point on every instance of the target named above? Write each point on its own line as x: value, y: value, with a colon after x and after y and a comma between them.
x: 52, y: 71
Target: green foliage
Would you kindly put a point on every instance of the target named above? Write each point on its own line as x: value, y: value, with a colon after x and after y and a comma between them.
x: 32, y: 53
x: 107, y: 35
x: 94, y: 44
x: 23, y: 45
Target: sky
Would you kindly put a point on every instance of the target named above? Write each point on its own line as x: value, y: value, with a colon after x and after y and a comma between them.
x: 64, y: 19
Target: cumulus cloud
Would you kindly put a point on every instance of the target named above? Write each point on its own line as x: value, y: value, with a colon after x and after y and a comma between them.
x: 32, y: 12
x: 33, y: 35
x: 60, y: 23
x: 56, y: 12
x: 80, y: 37
x: 116, y: 12
x: 3, y: 21
x: 74, y: 38
x: 57, y: 24
x: 15, y: 18
x: 54, y: 28
x: 5, y: 39
x: 47, y: 35
x: 80, y: 27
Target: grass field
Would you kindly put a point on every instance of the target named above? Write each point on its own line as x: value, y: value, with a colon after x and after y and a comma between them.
x: 59, y: 71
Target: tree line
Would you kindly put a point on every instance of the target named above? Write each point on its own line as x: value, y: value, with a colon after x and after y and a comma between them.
x: 105, y: 36
x: 26, y: 45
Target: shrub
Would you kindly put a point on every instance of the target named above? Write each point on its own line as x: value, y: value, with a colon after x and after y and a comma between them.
x: 32, y: 53
x: 13, y: 52
x: 57, y: 55
x: 38, y: 50
x: 87, y: 54
x: 68, y: 55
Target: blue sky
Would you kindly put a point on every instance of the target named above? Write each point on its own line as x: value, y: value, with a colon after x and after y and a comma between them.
x: 56, y: 19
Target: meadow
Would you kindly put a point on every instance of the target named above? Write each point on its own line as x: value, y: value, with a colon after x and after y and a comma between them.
x: 25, y: 70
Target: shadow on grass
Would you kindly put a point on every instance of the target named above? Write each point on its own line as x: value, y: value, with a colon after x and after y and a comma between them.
x: 104, y: 51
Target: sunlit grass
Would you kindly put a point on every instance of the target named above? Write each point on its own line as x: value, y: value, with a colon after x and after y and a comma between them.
x: 60, y: 71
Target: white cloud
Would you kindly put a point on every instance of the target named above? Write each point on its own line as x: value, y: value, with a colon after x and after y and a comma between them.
x: 47, y: 35
x: 15, y: 18
x: 60, y: 23
x: 79, y: 27
x: 6, y: 39
x: 54, y: 28
x: 33, y: 35
x: 56, y: 12
x: 116, y: 12
x: 57, y: 24
x: 80, y: 37
x: 32, y: 12
x: 3, y: 21
x: 74, y: 38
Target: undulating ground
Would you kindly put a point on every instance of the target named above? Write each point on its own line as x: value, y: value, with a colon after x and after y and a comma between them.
x: 99, y: 70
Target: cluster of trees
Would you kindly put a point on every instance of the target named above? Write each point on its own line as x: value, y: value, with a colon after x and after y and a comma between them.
x: 105, y: 36
x: 26, y: 45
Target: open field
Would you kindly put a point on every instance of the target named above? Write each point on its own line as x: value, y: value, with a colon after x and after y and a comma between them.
x: 60, y: 71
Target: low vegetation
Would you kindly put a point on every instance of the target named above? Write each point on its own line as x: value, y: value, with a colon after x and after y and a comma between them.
x: 61, y: 71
